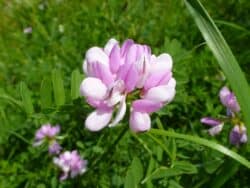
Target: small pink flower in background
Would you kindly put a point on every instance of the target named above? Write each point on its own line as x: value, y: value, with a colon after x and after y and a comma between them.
x: 238, y: 134
x: 48, y: 133
x: 54, y: 148
x: 27, y: 30
x: 71, y: 164
x: 217, y: 125
x: 229, y: 100
x: 114, y: 72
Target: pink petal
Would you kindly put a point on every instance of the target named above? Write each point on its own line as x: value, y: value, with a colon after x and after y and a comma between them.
x: 109, y: 46
x: 102, y: 72
x: 160, y: 78
x: 162, y: 63
x: 98, y: 119
x: 115, y: 59
x: 120, y: 113
x: 129, y: 75
x: 146, y: 106
x: 132, y: 54
x: 162, y: 93
x: 224, y: 93
x: 139, y: 122
x: 131, y: 79
x: 94, y: 88
x: 125, y: 46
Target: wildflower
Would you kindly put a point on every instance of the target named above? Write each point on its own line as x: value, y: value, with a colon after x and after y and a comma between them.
x: 71, y: 164
x: 114, y: 72
x: 228, y: 99
x: 54, y: 148
x: 46, y: 131
x: 217, y: 125
x: 238, y: 135
x: 27, y: 30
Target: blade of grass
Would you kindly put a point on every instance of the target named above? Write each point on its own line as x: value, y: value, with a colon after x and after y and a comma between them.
x: 26, y: 98
x: 223, y: 54
x: 204, y: 142
x: 57, y: 82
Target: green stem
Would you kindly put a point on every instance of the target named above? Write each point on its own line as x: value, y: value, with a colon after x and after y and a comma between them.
x: 204, y: 142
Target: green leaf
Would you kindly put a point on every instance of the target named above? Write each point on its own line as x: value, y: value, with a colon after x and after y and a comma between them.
x: 185, y: 166
x: 204, y: 142
x: 227, y: 171
x: 134, y: 174
x: 26, y: 98
x: 59, y: 93
x: 76, y: 79
x: 162, y: 172
x: 171, y: 145
x: 223, y: 54
x: 174, y: 184
x: 46, y: 93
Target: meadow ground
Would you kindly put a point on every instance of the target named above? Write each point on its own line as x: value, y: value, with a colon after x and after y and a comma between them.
x: 40, y: 75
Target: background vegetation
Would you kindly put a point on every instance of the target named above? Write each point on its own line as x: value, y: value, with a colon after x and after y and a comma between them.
x: 40, y: 74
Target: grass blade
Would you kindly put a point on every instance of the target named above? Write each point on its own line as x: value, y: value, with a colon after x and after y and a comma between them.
x: 26, y: 98
x: 59, y: 93
x: 204, y: 142
x: 76, y: 79
x: 46, y: 93
x: 223, y: 54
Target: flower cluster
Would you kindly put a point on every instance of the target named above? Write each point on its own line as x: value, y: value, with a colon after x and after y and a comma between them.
x: 238, y: 134
x: 48, y: 133
x: 114, y: 72
x: 69, y: 162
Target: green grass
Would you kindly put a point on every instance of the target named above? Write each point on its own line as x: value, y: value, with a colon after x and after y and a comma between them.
x: 31, y: 93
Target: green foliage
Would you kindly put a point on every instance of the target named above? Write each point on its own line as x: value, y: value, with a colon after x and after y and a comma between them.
x: 40, y: 75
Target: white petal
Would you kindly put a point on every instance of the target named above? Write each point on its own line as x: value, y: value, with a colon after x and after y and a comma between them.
x: 161, y: 63
x: 84, y: 67
x: 215, y: 130
x: 162, y: 93
x: 98, y: 119
x: 243, y: 138
x: 110, y: 44
x: 94, y: 88
x: 96, y: 54
x: 139, y: 122
x: 120, y: 113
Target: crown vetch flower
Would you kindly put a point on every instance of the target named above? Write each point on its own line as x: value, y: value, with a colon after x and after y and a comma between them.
x: 46, y: 131
x: 238, y: 135
x: 71, y: 164
x: 228, y: 99
x: 54, y: 148
x: 115, y: 71
x: 216, y: 124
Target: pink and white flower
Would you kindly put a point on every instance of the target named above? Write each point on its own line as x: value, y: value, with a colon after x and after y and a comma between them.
x: 71, y: 164
x: 113, y: 72
x: 46, y: 132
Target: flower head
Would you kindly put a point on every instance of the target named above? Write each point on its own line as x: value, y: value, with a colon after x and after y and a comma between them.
x: 238, y: 135
x: 71, y: 164
x: 228, y: 99
x: 217, y: 125
x: 113, y: 72
x: 54, y: 148
x: 46, y: 131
